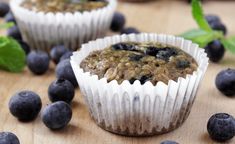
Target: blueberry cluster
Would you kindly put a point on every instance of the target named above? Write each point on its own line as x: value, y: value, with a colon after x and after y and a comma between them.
x: 118, y: 25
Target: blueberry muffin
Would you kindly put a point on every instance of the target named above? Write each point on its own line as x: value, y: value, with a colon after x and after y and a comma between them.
x: 63, y: 5
x: 132, y: 61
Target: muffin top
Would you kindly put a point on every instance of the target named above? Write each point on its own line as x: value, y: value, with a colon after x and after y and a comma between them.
x: 139, y: 61
x: 63, y: 5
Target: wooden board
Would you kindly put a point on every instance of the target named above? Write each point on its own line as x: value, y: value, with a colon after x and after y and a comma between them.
x: 172, y: 17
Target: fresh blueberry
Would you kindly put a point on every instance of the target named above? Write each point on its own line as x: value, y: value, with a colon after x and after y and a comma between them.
x: 118, y: 22
x: 124, y: 46
x: 10, y: 18
x: 135, y: 57
x: 221, y: 127
x: 225, y: 82
x: 57, y: 115
x: 169, y: 142
x: 57, y: 52
x: 130, y: 30
x: 4, y: 9
x: 219, y: 26
x: 61, y: 90
x: 211, y: 18
x: 14, y: 32
x: 151, y: 51
x: 166, y: 53
x: 215, y: 51
x: 64, y: 71
x: 8, y: 138
x: 38, y: 62
x: 182, y: 64
x: 25, y: 105
x: 65, y: 56
x: 144, y: 79
x: 24, y: 46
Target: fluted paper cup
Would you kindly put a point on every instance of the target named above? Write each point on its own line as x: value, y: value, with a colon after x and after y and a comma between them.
x: 135, y: 109
x: 43, y: 30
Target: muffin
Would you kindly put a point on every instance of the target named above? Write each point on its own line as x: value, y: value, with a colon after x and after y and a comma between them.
x: 139, y: 84
x: 44, y: 24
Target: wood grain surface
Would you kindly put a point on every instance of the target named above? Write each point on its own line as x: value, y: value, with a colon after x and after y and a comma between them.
x: 171, y: 17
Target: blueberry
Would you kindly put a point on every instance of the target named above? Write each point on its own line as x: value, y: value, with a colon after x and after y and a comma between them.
x: 124, y: 46
x: 144, y: 79
x: 211, y: 18
x: 182, y: 64
x: 8, y: 138
x: 4, y: 9
x: 221, y: 127
x: 57, y: 115
x: 151, y: 51
x: 225, y: 82
x: 38, y: 62
x: 25, y: 105
x: 64, y: 71
x: 169, y: 142
x: 215, y: 51
x: 14, y: 32
x: 57, y: 52
x: 219, y: 26
x: 130, y: 30
x: 118, y: 22
x: 10, y: 18
x: 166, y: 53
x: 24, y: 46
x: 65, y: 56
x: 135, y: 57
x: 61, y: 90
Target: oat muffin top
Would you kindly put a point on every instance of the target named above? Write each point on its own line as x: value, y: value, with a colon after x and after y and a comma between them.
x: 139, y: 61
x: 63, y: 5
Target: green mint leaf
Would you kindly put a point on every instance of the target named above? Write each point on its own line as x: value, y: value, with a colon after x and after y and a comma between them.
x: 202, y: 37
x: 12, y: 56
x: 229, y: 44
x: 198, y: 15
x: 6, y: 25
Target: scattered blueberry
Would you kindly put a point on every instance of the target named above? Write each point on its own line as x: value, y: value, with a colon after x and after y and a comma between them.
x: 130, y: 30
x: 57, y: 52
x: 57, y: 115
x: 65, y: 56
x: 8, y: 138
x: 166, y: 53
x: 144, y: 79
x: 64, y: 71
x: 61, y: 90
x: 14, y: 32
x: 169, y: 142
x: 225, y: 82
x: 118, y: 22
x: 4, y: 9
x: 38, y: 62
x: 151, y: 51
x: 24, y: 46
x: 135, y: 57
x: 10, y: 18
x: 25, y: 105
x: 221, y: 127
x: 219, y: 27
x: 124, y: 46
x: 211, y: 18
x: 215, y: 51
x: 182, y: 64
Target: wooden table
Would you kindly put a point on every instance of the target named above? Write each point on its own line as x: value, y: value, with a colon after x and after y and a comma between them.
x: 172, y: 17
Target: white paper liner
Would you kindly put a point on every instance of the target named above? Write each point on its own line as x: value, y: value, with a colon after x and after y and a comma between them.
x: 135, y: 109
x: 43, y: 30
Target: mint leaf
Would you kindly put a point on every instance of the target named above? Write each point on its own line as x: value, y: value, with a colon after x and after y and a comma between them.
x: 12, y: 56
x: 198, y: 15
x: 6, y: 25
x: 202, y: 37
x: 229, y: 44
